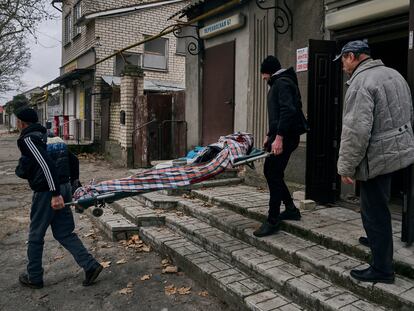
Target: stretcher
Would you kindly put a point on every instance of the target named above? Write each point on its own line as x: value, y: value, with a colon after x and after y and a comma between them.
x: 229, y: 152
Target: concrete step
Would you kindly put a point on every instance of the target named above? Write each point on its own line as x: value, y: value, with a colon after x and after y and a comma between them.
x: 303, y: 287
x: 240, y: 290
x: 325, y: 263
x: 216, y: 182
x: 138, y: 214
x: 336, y: 228
x: 113, y: 224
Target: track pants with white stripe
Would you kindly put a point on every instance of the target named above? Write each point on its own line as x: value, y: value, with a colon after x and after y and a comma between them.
x: 61, y: 221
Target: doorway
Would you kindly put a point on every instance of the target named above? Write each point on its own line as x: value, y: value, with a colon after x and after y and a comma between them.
x: 218, y: 92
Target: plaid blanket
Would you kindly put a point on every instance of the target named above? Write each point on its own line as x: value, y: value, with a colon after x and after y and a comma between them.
x: 232, y: 147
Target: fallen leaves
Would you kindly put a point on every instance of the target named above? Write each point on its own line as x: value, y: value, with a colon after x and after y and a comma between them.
x: 170, y: 269
x: 120, y: 262
x: 127, y: 290
x: 58, y: 257
x: 106, y: 264
x: 135, y: 243
x: 146, y: 277
x: 203, y: 293
x: 172, y: 290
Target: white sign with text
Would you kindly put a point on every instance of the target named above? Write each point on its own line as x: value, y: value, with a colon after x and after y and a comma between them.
x: 302, y: 56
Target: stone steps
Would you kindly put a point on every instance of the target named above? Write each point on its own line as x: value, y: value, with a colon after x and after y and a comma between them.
x: 304, y: 288
x: 306, y: 255
x: 240, y: 290
x: 335, y: 228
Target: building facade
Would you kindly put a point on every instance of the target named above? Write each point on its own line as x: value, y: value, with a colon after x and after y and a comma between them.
x: 305, y: 35
x: 93, y: 30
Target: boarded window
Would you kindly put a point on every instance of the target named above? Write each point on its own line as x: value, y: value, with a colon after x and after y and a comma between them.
x: 68, y: 28
x: 156, y: 54
x: 126, y: 58
x: 77, y: 13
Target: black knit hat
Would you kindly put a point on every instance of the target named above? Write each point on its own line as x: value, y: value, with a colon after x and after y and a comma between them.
x: 270, y: 65
x: 27, y: 114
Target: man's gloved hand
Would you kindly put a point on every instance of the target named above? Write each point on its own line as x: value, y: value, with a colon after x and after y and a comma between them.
x: 75, y: 185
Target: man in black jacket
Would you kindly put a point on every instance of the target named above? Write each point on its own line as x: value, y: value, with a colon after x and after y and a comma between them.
x: 285, y: 126
x: 51, y: 189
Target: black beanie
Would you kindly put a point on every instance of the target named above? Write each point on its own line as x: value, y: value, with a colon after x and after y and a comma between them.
x: 27, y: 114
x: 270, y: 65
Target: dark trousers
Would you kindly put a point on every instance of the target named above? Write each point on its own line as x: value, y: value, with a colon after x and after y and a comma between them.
x: 274, y: 171
x: 376, y: 218
x: 61, y: 221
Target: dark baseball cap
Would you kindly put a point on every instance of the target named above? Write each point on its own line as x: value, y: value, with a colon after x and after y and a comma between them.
x: 357, y: 46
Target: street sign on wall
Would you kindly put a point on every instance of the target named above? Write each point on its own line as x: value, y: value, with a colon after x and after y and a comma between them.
x: 224, y: 25
x: 302, y: 56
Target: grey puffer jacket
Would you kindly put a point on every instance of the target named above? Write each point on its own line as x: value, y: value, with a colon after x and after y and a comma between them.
x: 377, y: 135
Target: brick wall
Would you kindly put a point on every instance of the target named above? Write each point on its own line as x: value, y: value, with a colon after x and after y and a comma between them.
x: 114, y: 126
x: 121, y: 31
x: 99, y: 5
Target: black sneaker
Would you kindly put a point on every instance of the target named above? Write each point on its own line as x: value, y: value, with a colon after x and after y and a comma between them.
x: 24, y: 280
x: 266, y: 229
x: 371, y: 275
x: 364, y: 241
x: 290, y: 214
x: 92, y: 275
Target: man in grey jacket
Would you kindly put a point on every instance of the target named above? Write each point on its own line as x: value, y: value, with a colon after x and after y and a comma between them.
x: 377, y: 139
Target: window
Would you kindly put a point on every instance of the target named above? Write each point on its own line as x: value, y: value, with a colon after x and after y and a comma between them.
x: 126, y: 58
x: 77, y: 13
x: 155, y: 54
x: 181, y: 46
x: 67, y: 31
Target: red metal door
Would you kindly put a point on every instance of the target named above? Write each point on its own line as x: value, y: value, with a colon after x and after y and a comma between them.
x: 218, y: 92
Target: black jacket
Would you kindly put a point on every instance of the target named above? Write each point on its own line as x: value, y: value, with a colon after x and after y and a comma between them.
x: 35, y: 164
x: 284, y: 105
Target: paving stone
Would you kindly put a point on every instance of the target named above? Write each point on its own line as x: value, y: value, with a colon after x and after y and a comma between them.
x: 408, y: 295
x: 362, y: 305
x: 342, y: 300
x: 240, y: 290
x: 272, y: 304
x: 400, y: 286
x: 278, y: 275
x: 290, y: 307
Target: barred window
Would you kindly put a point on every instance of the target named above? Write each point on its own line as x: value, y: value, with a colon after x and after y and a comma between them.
x: 77, y: 13
x: 67, y: 29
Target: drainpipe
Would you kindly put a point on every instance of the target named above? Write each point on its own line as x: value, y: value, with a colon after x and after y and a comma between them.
x: 53, y: 4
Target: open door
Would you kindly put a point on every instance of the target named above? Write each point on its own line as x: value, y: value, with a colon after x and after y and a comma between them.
x: 324, y: 115
x: 407, y: 234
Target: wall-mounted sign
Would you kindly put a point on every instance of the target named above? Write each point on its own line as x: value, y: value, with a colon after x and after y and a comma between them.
x: 71, y: 66
x: 302, y: 56
x: 224, y: 25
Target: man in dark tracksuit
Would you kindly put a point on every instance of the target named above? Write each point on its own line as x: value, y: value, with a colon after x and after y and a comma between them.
x: 284, y: 112
x: 51, y: 190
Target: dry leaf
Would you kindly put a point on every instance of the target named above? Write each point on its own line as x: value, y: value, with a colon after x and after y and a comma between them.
x: 184, y: 290
x: 129, y: 285
x: 165, y: 262
x: 120, y: 262
x: 170, y: 269
x: 125, y: 291
x: 203, y: 293
x: 89, y: 234
x: 146, y: 249
x: 146, y: 277
x: 58, y: 257
x: 106, y: 264
x: 170, y: 290
x: 135, y: 238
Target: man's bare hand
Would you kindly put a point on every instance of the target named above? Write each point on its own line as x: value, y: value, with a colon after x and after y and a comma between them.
x: 277, y: 145
x: 57, y: 202
x: 347, y: 180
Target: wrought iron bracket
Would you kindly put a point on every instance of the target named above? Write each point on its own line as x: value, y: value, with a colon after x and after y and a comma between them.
x: 283, y: 19
x: 195, y: 46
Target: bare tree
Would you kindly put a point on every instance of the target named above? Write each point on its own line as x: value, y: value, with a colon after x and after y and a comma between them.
x: 18, y: 20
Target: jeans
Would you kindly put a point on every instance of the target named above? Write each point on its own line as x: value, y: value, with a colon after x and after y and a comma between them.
x: 376, y: 218
x: 61, y: 221
x: 274, y: 171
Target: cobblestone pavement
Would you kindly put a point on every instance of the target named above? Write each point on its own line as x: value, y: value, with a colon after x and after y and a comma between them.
x: 119, y: 287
